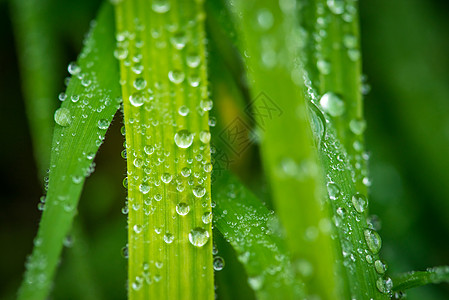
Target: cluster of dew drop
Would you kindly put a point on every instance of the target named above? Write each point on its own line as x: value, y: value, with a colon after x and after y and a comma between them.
x: 349, y: 209
x: 170, y: 174
x: 247, y: 229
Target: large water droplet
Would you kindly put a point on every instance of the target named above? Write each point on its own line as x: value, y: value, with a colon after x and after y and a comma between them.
x: 199, y: 191
x: 333, y: 190
x: 183, y: 110
x: 184, y: 138
x: 140, y: 83
x: 373, y: 240
x: 205, y: 136
x: 144, y: 188
x: 63, y: 117
x: 73, y: 68
x: 198, y: 236
x: 384, y: 285
x: 176, y: 76
x: 332, y: 104
x: 103, y: 124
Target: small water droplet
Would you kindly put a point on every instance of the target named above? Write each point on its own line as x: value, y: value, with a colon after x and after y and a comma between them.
x: 62, y: 96
x: 256, y: 282
x: 207, y: 217
x: 183, y: 110
x: 357, y: 126
x: 73, y: 68
x: 186, y: 172
x: 333, y: 190
x: 324, y: 67
x: 205, y: 136
x: 137, y: 229
x: 179, y: 40
x: 193, y: 60
x: 265, y: 19
x: 103, y: 124
x: 166, y: 177
x: 219, y: 263
x: 168, y: 238
x: 182, y: 209
x: 199, y: 191
x: 63, y: 117
x: 140, y: 83
x: 336, y: 6
x: 360, y: 202
x: 384, y: 285
x: 380, y: 266
x: 160, y: 6
x: 198, y: 237
x: 184, y: 138
x: 144, y: 188
x: 176, y: 76
x: 148, y: 149
x: 136, y: 99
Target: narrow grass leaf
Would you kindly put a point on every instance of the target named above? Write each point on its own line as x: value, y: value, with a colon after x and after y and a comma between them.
x: 161, y: 48
x: 256, y: 235
x: 38, y: 56
x: 410, y: 280
x: 81, y: 123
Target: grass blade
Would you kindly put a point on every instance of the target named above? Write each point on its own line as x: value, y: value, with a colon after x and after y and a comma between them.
x: 255, y: 234
x: 38, y: 55
x: 271, y: 47
x: 92, y: 100
x: 163, y: 68
x: 410, y: 280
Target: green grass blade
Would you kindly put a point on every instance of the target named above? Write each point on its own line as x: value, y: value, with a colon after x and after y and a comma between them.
x: 256, y: 236
x: 161, y: 47
x: 410, y: 280
x: 38, y: 55
x: 333, y: 64
x: 271, y: 46
x: 92, y: 100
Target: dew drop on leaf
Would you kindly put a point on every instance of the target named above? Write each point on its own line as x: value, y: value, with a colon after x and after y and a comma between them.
x: 199, y: 191
x: 103, y: 124
x: 359, y: 202
x: 204, y: 136
x: 218, y: 263
x: 182, y: 209
x: 176, y: 76
x: 332, y: 104
x: 198, y: 237
x: 168, y: 238
x: 136, y: 99
x: 373, y: 240
x: 183, y: 138
x: 63, y: 117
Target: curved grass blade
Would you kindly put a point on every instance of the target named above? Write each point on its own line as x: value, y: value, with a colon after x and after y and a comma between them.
x: 92, y: 100
x: 413, y: 279
x: 271, y: 45
x: 255, y: 234
x: 333, y: 63
x: 38, y: 55
x: 161, y: 48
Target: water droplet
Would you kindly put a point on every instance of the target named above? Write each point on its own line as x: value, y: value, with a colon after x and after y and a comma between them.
x: 333, y: 190
x: 199, y: 191
x: 176, y: 76
x: 384, y: 285
x: 380, y: 266
x: 186, y: 172
x: 103, y: 124
x: 73, y: 68
x: 205, y: 136
x: 184, y: 138
x: 206, y: 105
x: 324, y: 67
x: 125, y: 252
x: 357, y: 126
x: 219, y: 263
x: 360, y: 202
x: 193, y: 60
x: 369, y: 259
x: 350, y: 41
x: 373, y: 240
x: 166, y: 177
x: 255, y: 282
x: 63, y: 117
x: 62, y: 96
x: 160, y: 6
x: 140, y: 83
x: 183, y: 110
x: 179, y: 40
x: 144, y: 188
x: 137, y: 229
x: 207, y: 217
x: 137, y: 99
x: 265, y: 19
x: 77, y: 179
x: 336, y: 6
x: 148, y: 149
x: 182, y: 209
x: 332, y: 104
x: 168, y: 238
x: 198, y: 236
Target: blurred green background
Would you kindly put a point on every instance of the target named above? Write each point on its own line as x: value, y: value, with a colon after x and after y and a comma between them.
x: 405, y: 46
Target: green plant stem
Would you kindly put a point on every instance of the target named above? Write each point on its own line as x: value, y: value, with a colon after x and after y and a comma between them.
x: 410, y: 280
x: 88, y: 110
x: 170, y: 253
